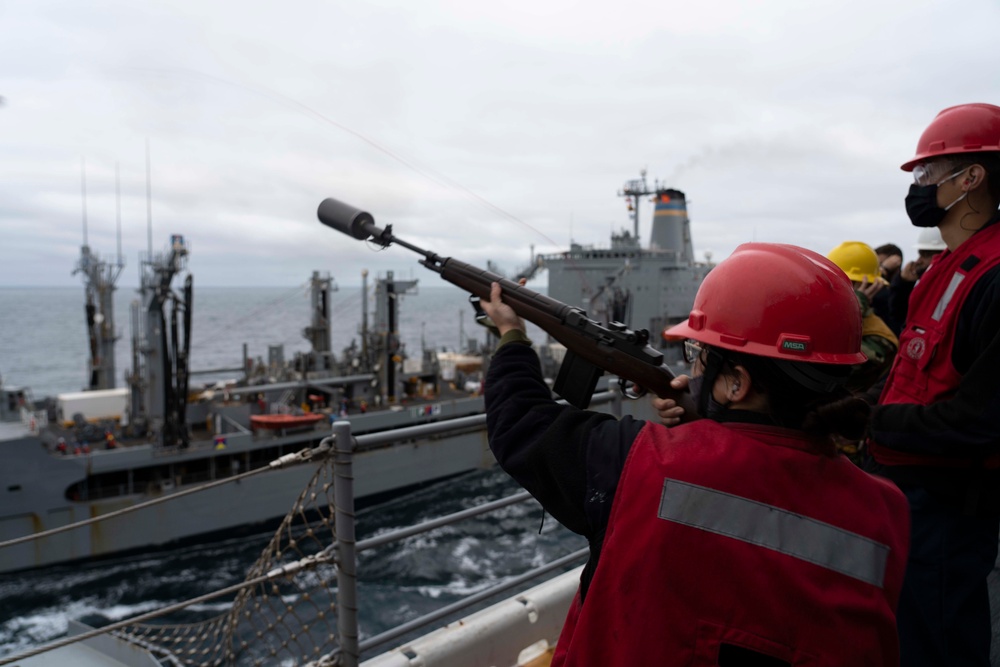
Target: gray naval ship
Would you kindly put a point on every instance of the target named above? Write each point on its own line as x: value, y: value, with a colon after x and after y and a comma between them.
x: 85, y: 455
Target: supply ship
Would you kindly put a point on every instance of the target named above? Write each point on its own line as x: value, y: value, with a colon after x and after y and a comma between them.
x: 85, y: 454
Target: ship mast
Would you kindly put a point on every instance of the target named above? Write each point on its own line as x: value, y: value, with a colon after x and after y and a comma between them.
x: 99, y: 278
x: 318, y: 331
x: 158, y: 382
x: 633, y: 190
x: 386, y: 336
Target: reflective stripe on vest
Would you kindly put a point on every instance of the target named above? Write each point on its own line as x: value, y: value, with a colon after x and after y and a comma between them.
x: 774, y: 528
x: 949, y: 294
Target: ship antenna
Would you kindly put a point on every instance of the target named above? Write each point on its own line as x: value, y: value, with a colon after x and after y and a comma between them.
x: 633, y: 191
x: 83, y: 193
x: 149, y: 207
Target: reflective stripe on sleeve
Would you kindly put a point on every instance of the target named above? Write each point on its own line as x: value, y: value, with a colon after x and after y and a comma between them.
x: 774, y: 528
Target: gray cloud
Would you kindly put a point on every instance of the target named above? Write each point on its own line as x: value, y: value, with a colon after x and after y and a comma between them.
x: 476, y: 130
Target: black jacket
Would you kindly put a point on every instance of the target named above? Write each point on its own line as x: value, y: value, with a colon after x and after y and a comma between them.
x: 568, y: 459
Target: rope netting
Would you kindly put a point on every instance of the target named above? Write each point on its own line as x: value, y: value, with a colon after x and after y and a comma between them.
x: 285, y: 614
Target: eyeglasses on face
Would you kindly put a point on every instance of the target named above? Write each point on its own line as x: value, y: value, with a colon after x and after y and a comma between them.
x: 692, y: 350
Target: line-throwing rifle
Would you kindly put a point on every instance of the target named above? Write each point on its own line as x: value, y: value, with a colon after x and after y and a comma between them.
x: 591, y: 347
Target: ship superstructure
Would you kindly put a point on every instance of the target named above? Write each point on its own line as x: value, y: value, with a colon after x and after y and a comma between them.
x: 647, y: 287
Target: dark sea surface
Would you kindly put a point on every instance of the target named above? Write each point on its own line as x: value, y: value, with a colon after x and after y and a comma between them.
x: 43, y: 346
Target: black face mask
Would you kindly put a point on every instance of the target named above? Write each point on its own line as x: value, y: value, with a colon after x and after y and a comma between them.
x: 921, y: 206
x: 921, y: 203
x: 707, y: 405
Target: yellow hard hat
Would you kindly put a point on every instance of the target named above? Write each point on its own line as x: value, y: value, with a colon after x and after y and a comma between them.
x: 857, y: 260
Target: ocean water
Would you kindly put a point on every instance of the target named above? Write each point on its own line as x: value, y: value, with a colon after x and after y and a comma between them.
x: 43, y: 338
x: 396, y: 583
x: 43, y: 346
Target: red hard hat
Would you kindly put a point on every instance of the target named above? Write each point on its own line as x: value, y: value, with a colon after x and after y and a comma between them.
x: 779, y: 301
x: 967, y: 128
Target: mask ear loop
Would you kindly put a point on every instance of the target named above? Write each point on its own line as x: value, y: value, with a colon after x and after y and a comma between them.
x: 972, y: 206
x: 952, y: 177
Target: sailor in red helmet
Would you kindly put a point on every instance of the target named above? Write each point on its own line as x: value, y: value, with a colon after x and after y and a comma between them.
x: 742, y: 538
x: 936, y: 431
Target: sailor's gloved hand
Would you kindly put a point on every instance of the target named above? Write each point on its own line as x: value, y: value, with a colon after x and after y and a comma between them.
x: 670, y: 413
x: 503, y: 316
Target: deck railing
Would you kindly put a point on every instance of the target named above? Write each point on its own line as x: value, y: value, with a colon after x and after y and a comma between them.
x: 350, y: 649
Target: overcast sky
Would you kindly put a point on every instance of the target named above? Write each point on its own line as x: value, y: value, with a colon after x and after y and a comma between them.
x: 477, y: 129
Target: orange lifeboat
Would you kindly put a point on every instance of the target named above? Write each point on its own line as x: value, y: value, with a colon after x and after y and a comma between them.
x: 277, y: 422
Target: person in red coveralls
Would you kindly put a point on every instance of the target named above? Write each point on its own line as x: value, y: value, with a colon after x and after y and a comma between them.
x: 741, y: 538
x: 935, y: 432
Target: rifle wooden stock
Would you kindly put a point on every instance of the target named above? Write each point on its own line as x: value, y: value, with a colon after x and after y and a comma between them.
x: 556, y: 319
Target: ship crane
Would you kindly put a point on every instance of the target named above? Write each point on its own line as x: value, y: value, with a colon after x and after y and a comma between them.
x: 160, y: 353
x: 100, y: 277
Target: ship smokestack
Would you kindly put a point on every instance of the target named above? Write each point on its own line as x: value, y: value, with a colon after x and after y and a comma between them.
x: 671, y: 227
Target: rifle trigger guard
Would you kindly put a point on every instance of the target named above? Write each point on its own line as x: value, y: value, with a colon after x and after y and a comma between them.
x: 630, y: 390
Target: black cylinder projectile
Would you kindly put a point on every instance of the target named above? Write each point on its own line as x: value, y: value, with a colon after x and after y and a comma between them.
x: 347, y: 219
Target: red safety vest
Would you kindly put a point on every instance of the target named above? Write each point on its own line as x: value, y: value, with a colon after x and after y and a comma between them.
x: 735, y: 538
x: 923, y: 372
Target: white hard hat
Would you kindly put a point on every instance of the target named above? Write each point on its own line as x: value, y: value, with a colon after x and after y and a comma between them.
x: 930, y: 239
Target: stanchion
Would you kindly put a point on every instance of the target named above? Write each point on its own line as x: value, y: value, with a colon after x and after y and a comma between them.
x: 347, y: 576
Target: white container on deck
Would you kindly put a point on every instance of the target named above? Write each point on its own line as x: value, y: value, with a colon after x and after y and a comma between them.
x: 95, y: 405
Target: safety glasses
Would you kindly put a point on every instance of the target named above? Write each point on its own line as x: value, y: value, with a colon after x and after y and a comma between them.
x: 934, y: 172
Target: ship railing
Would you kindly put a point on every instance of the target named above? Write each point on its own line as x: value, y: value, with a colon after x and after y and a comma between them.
x: 347, y: 549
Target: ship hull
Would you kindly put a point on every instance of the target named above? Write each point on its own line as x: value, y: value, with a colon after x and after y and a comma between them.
x: 39, y: 484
